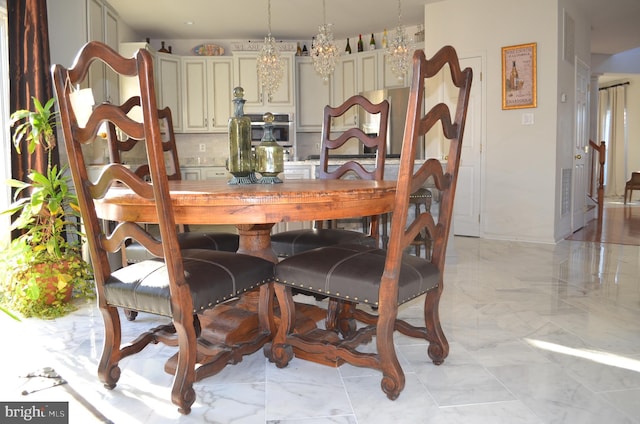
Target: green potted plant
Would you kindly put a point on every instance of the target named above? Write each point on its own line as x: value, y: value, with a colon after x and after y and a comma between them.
x: 43, y: 267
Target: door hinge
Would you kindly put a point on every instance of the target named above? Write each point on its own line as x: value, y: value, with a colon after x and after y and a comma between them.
x: 480, y: 75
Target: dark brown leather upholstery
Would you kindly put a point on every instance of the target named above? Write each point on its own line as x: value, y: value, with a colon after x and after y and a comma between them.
x: 295, y: 241
x: 213, y: 278
x: 289, y: 243
x: 350, y: 275
x: 179, y: 284
x: 353, y: 272
x: 226, y: 242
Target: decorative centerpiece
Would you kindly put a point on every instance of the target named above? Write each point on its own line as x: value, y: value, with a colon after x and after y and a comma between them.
x: 240, y: 163
x: 269, y: 154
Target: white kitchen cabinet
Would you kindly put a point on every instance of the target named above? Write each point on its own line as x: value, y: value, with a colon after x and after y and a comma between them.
x: 103, y: 26
x: 246, y: 76
x: 168, y: 77
x: 193, y: 173
x: 312, y: 94
x: 207, y: 93
x: 215, y: 173
x: 388, y: 79
x: 296, y: 171
x: 345, y: 85
x: 367, y: 71
x: 190, y: 174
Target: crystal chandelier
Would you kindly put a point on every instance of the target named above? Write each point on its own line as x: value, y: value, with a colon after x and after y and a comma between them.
x: 324, y: 51
x: 269, y: 65
x: 399, y: 47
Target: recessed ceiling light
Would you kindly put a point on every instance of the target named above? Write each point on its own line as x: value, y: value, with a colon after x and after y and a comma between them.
x: 188, y: 23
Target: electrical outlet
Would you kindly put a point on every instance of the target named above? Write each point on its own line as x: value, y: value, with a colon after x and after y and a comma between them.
x: 203, y: 147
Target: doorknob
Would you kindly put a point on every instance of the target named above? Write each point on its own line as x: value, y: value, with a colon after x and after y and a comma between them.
x: 578, y: 156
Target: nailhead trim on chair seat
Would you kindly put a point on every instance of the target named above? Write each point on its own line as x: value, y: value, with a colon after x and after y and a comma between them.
x: 356, y: 270
x: 211, y: 282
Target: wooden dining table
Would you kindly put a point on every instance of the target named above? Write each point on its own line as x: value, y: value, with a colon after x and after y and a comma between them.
x: 254, y: 209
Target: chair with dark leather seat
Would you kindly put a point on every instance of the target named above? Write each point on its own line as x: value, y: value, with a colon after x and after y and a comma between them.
x: 295, y: 241
x: 179, y: 284
x: 359, y: 275
x: 632, y: 184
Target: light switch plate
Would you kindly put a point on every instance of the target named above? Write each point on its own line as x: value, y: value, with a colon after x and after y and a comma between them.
x: 527, y: 119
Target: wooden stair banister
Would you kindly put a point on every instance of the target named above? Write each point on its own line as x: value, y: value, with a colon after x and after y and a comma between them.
x: 601, y: 149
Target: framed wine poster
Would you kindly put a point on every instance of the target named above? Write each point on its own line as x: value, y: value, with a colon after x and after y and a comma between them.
x: 519, y: 76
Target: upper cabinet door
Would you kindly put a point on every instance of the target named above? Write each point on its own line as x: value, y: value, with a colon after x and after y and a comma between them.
x: 208, y: 88
x: 312, y: 94
x: 246, y: 76
x: 169, y: 74
x: 196, y: 111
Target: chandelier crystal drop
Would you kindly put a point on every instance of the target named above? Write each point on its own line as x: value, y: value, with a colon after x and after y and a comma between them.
x: 324, y: 51
x: 399, y: 48
x: 269, y: 64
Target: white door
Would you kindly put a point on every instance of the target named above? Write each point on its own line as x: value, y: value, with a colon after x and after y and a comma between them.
x: 466, y: 210
x: 580, y: 173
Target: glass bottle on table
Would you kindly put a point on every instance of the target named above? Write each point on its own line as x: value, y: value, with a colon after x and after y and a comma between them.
x: 269, y: 154
x: 240, y: 163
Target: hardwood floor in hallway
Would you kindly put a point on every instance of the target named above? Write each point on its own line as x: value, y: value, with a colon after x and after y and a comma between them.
x: 620, y: 225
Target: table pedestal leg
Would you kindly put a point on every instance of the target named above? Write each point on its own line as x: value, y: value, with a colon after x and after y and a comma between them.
x: 255, y: 240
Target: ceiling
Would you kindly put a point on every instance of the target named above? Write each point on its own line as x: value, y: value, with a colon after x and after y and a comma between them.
x: 615, y: 25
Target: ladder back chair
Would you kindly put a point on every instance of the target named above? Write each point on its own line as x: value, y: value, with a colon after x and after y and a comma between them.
x: 134, y: 252
x: 291, y: 242
x: 383, y: 278
x: 178, y: 284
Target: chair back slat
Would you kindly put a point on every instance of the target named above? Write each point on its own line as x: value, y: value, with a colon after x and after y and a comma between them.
x: 377, y: 141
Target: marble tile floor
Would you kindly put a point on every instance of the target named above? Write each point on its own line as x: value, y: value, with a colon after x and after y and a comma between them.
x: 539, y: 334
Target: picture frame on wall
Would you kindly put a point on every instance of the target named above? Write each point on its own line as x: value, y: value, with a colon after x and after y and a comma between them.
x: 519, y: 89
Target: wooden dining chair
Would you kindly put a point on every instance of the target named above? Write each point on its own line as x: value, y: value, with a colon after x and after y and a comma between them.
x: 187, y: 239
x: 179, y: 283
x: 632, y: 184
x: 289, y: 243
x: 385, y: 279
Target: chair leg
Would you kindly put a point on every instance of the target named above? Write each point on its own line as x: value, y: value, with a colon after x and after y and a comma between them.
x: 108, y: 370
x: 278, y: 351
x: 182, y: 392
x: 393, y: 380
x: 626, y: 190
x: 438, y: 345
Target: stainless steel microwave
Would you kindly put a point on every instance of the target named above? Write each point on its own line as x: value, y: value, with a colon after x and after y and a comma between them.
x: 283, y: 130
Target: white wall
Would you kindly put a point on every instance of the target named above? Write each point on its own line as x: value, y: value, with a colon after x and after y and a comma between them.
x: 520, y: 179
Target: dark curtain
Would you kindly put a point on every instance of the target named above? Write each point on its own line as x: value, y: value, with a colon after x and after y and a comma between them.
x: 29, y: 63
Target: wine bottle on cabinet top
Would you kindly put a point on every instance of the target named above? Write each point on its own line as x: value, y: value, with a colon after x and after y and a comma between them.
x: 348, y: 48
x: 360, y: 44
x: 372, y: 43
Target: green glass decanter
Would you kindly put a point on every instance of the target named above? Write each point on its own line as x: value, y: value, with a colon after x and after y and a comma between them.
x: 269, y: 154
x: 240, y: 163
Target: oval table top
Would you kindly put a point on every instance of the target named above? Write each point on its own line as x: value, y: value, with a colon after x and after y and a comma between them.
x: 216, y: 202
